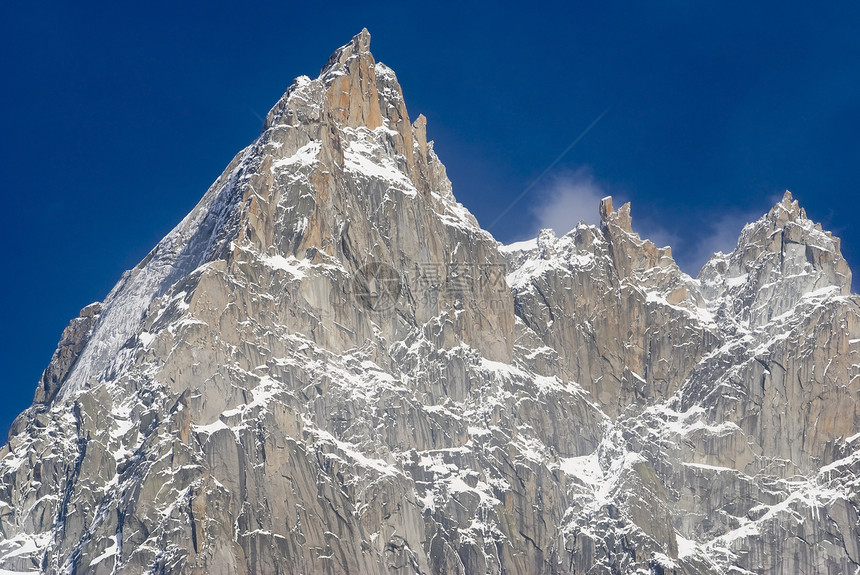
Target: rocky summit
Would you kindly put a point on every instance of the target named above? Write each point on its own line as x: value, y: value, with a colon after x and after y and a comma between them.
x: 328, y: 367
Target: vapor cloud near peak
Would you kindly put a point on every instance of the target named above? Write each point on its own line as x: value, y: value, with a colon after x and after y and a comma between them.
x: 568, y: 199
x: 574, y: 196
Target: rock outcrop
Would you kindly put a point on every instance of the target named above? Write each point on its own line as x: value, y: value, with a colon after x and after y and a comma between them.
x: 328, y: 367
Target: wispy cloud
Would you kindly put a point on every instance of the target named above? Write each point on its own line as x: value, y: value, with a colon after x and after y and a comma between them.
x: 568, y: 199
x: 720, y: 233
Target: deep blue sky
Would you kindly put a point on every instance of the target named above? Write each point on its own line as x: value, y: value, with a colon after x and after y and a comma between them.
x: 115, y: 120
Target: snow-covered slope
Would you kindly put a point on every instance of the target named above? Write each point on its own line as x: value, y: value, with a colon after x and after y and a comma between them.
x: 328, y: 367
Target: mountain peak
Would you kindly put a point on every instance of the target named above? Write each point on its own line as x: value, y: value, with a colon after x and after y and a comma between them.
x: 363, y: 38
x: 779, y: 259
x: 787, y: 209
x: 358, y: 46
x: 353, y: 97
x: 632, y: 254
x: 621, y: 218
x: 787, y: 223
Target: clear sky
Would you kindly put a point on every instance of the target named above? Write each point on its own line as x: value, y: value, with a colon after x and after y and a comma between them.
x: 115, y: 120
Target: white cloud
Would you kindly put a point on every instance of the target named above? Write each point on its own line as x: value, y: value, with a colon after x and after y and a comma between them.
x: 569, y: 199
x: 575, y: 196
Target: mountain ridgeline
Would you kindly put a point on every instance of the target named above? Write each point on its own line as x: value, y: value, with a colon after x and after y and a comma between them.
x: 328, y: 367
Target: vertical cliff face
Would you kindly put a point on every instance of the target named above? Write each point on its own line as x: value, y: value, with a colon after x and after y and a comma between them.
x: 328, y: 367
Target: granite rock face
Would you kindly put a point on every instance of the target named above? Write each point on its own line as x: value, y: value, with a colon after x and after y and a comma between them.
x: 328, y: 367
